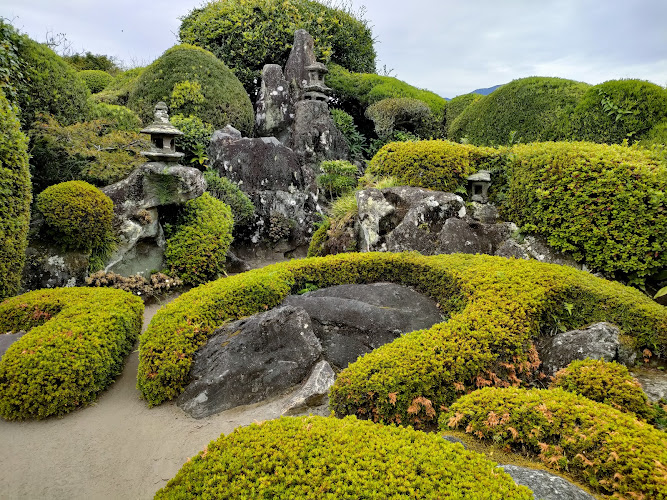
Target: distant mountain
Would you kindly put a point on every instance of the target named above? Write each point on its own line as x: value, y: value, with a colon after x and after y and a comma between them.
x: 486, y: 91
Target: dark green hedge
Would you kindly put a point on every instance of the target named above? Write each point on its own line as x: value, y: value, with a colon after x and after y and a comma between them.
x: 456, y: 106
x: 402, y: 113
x: 247, y: 34
x: 196, y: 251
x: 76, y: 343
x: 15, y: 198
x: 614, y: 111
x: 609, y: 450
x: 317, y: 457
x: 605, y: 204
x: 192, y: 81
x: 226, y: 191
x: 119, y: 90
x: 95, y: 79
x: 528, y: 109
x: 495, y: 306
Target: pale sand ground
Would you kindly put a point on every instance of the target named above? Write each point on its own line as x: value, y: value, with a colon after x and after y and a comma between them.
x: 116, y: 449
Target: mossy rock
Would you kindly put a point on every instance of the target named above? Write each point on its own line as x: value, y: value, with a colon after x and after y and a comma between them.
x: 495, y: 307
x: 73, y: 350
x: 192, y: 81
x: 317, y: 457
x: 611, y: 451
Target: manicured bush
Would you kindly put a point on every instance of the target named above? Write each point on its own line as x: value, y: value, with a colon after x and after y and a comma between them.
x: 15, y: 198
x: 604, y: 204
x: 337, y: 177
x: 119, y: 117
x: 11, y: 73
x: 247, y: 34
x: 119, y: 90
x: 195, y: 139
x: 440, y: 165
x: 96, y: 80
x: 456, y: 106
x: 226, y: 191
x: 90, y: 61
x: 617, y: 110
x: 495, y: 307
x: 316, y: 245
x: 172, y: 78
x: 77, y: 214
x: 604, y: 382
x: 609, y: 450
x: 196, y: 249
x: 401, y: 113
x: 75, y: 346
x: 317, y: 457
x: 529, y: 109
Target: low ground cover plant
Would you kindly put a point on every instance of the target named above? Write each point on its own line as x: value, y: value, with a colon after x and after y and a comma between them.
x: 73, y: 348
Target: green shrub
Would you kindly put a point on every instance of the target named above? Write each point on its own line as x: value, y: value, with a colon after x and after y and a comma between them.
x: 15, y: 198
x: 226, y: 191
x: 337, y: 177
x: 96, y: 80
x: 77, y: 214
x: 119, y: 90
x: 94, y: 151
x: 400, y: 113
x: 317, y: 457
x: 11, y: 73
x: 247, y: 34
x: 120, y: 117
x: 605, y: 382
x: 75, y: 346
x: 456, y: 106
x: 90, y: 61
x: 495, y: 307
x: 617, y: 110
x: 611, y: 451
x: 605, y: 204
x: 195, y: 139
x: 197, y: 249
x: 530, y: 109
x: 171, y: 79
x: 439, y: 165
x: 356, y: 142
x: 316, y: 246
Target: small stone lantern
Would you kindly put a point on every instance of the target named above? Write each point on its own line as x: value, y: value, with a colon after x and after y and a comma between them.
x: 315, y: 89
x: 478, y: 186
x: 163, y: 135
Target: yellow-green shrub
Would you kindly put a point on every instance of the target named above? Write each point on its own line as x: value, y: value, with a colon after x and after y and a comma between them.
x: 609, y: 450
x: 197, y: 249
x: 317, y: 457
x: 495, y: 306
x: 95, y: 79
x: 402, y: 113
x: 605, y: 382
x: 75, y: 346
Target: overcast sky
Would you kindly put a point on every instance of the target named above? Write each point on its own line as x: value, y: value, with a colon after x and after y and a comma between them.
x: 449, y: 47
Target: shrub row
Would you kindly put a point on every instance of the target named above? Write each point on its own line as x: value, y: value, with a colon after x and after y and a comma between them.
x: 75, y: 346
x: 316, y: 457
x: 496, y: 306
x: 610, y: 450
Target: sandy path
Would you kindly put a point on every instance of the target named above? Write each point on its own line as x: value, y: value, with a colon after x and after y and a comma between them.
x: 118, y: 448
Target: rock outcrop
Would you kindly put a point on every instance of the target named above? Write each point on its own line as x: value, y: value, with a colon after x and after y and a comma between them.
x: 544, y: 485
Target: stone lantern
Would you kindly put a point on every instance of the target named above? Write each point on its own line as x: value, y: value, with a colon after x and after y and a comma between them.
x: 315, y: 89
x: 478, y: 186
x: 163, y: 135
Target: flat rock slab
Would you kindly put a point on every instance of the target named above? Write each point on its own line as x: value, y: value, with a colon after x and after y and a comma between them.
x: 546, y: 486
x: 8, y: 339
x: 352, y: 320
x: 250, y: 360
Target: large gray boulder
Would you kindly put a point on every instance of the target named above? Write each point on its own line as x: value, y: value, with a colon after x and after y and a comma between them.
x: 49, y: 266
x: 7, y: 339
x: 314, y: 136
x: 301, y: 56
x: 312, y: 397
x: 273, y: 111
x: 250, y: 360
x: 544, y: 485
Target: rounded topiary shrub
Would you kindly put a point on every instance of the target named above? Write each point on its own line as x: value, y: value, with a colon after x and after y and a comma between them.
x: 192, y: 81
x: 119, y: 90
x: 119, y: 117
x: 197, y: 247
x: 15, y: 197
x: 614, y: 111
x: 456, y: 106
x: 611, y: 451
x: 318, y: 457
x: 609, y: 383
x: 76, y: 343
x: 95, y: 79
x: 226, y: 191
x: 77, y: 214
x: 527, y: 110
x: 400, y: 113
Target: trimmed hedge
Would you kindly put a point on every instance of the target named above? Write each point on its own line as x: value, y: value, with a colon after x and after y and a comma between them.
x: 614, y: 111
x: 529, y: 109
x: 192, y: 81
x: 495, y: 306
x: 605, y: 204
x: 95, y: 79
x: 317, y: 457
x: 120, y: 117
x: 611, y: 451
x: 604, y: 382
x: 439, y: 165
x: 15, y: 198
x: 119, y: 90
x: 456, y: 106
x: 78, y: 214
x: 75, y: 346
x: 196, y: 251
x: 401, y: 113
